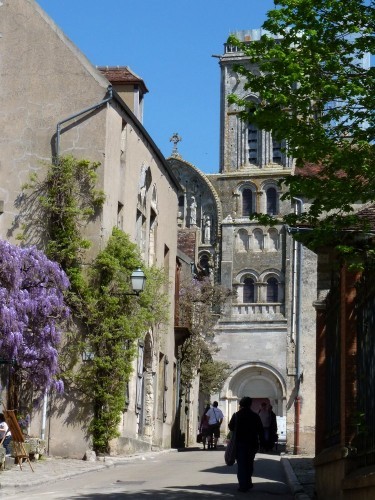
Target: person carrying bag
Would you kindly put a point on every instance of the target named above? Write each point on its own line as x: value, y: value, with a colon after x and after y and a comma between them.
x: 215, y: 418
x: 249, y: 435
x: 230, y: 452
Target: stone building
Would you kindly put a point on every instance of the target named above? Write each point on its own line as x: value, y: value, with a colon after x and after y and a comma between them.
x: 54, y: 103
x: 268, y: 332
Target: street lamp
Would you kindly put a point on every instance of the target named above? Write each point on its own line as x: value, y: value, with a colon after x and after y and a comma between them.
x: 138, y: 280
x: 87, y: 355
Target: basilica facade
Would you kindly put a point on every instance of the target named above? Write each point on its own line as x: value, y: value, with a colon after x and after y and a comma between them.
x: 267, y: 332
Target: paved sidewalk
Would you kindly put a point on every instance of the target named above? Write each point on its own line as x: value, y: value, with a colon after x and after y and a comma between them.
x: 50, y: 469
x: 299, y: 472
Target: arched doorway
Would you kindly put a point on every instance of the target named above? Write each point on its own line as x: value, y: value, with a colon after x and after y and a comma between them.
x: 261, y: 382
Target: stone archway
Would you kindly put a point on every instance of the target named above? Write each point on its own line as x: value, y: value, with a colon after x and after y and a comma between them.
x: 257, y: 380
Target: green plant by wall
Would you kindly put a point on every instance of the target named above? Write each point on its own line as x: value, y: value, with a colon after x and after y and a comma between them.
x: 60, y: 203
x: 115, y: 322
x: 107, y: 322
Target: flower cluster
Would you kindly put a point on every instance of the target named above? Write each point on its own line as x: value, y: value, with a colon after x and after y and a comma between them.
x: 32, y: 308
x: 24, y: 423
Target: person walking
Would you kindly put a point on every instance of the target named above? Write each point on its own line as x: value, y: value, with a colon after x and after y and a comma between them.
x: 5, y: 435
x: 273, y: 436
x: 249, y: 436
x: 215, y: 418
x: 204, y: 427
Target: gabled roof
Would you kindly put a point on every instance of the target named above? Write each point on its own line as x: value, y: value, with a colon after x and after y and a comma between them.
x: 122, y: 75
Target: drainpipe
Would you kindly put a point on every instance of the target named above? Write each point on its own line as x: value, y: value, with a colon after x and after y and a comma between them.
x: 294, y: 290
x: 44, y: 416
x: 79, y: 113
x: 297, y: 296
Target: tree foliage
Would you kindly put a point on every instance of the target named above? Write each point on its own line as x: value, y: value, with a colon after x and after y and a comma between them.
x: 315, y: 93
x: 32, y: 313
x: 212, y: 375
x: 200, y: 305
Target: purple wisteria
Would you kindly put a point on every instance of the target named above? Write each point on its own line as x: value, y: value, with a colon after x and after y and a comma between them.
x: 32, y: 310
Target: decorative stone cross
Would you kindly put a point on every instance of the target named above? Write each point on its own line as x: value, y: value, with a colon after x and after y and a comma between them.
x: 175, y: 139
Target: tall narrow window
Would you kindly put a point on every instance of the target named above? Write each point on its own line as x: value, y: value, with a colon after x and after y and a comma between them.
x: 247, y: 202
x: 276, y: 152
x: 248, y: 290
x: 272, y: 290
x: 162, y: 387
x: 139, y: 387
x: 181, y: 211
x: 271, y: 201
x: 141, y: 232
x: 152, y: 238
x: 252, y: 133
x: 120, y: 215
x: 166, y: 268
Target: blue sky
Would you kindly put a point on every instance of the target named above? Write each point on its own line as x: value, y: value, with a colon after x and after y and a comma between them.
x: 170, y: 45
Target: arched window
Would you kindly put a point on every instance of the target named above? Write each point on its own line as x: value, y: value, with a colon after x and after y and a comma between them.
x: 248, y: 290
x: 258, y: 240
x: 272, y: 290
x: 271, y: 195
x: 205, y: 264
x: 247, y: 201
x: 273, y: 239
x: 204, y: 260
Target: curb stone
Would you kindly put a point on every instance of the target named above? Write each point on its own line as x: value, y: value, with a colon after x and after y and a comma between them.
x: 295, y: 486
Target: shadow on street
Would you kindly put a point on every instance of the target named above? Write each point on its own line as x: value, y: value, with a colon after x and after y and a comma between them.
x: 202, y: 491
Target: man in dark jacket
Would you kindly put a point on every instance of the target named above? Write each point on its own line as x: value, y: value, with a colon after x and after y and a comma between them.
x: 249, y: 436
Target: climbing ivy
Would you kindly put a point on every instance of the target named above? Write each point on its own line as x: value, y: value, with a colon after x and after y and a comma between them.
x: 108, y: 322
x: 59, y: 204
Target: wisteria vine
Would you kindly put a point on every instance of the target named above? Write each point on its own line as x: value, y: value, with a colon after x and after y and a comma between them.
x: 32, y: 312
